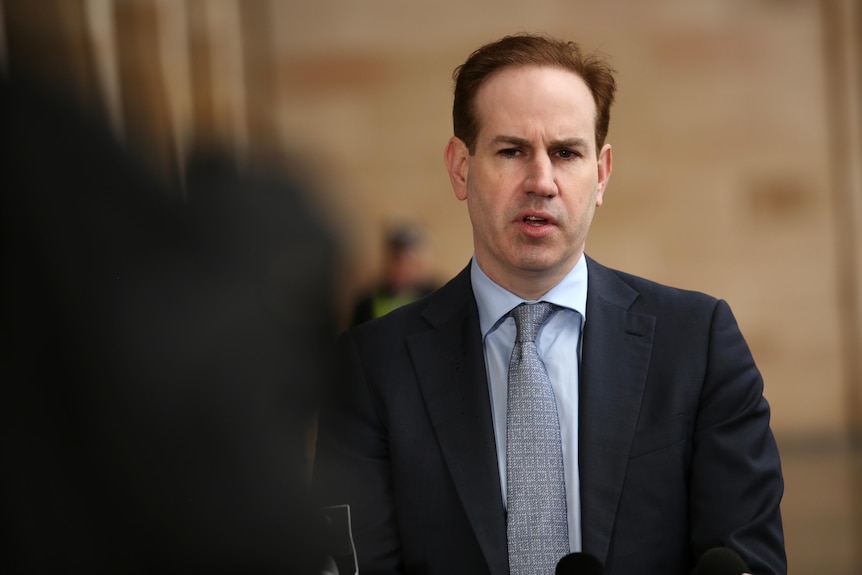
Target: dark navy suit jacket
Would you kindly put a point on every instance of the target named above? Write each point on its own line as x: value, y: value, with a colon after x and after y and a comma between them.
x: 675, y: 451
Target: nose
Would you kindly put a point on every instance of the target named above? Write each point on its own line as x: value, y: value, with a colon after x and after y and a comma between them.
x: 540, y: 176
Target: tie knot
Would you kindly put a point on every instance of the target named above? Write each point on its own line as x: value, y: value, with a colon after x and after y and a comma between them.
x: 529, y: 317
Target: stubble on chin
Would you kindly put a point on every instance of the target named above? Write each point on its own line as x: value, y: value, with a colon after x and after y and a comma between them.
x: 534, y: 255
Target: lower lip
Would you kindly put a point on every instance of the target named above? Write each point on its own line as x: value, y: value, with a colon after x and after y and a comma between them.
x: 534, y: 231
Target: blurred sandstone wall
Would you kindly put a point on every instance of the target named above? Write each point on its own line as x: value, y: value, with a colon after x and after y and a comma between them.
x: 736, y: 137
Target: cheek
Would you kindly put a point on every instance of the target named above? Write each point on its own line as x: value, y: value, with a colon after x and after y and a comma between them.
x: 479, y: 193
x: 478, y: 210
x: 581, y: 208
x: 485, y: 216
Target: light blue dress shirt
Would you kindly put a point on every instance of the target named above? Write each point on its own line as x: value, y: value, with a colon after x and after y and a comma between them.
x: 559, y: 346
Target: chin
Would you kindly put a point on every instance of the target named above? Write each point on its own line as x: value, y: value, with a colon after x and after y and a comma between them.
x: 538, y: 264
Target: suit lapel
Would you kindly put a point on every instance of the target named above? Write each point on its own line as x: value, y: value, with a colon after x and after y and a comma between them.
x: 450, y: 366
x: 616, y: 354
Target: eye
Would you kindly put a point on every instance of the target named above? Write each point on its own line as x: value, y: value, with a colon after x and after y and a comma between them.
x: 509, y: 152
x: 567, y: 154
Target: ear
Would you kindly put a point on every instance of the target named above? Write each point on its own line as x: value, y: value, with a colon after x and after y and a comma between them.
x: 605, y: 166
x: 457, y: 158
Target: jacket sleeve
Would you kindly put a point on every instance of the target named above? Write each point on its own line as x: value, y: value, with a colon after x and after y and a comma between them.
x: 352, y: 464
x: 736, y: 482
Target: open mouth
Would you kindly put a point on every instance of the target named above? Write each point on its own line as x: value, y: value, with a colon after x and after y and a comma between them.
x: 535, y: 221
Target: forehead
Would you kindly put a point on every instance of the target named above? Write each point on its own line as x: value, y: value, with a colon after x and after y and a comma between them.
x: 518, y: 98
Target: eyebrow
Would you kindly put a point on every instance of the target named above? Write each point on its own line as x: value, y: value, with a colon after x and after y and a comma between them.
x: 522, y: 142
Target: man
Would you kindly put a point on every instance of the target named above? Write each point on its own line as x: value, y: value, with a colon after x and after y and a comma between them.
x: 664, y: 431
x: 406, y: 274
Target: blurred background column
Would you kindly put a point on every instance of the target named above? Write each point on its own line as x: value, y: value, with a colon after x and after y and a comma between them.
x: 842, y: 34
x: 147, y: 119
x: 258, y: 28
x: 217, y: 76
x: 38, y: 32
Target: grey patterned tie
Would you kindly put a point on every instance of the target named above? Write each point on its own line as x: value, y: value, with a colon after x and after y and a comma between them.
x: 536, y: 523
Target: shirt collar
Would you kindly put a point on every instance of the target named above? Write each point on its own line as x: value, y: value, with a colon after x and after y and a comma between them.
x: 494, y: 302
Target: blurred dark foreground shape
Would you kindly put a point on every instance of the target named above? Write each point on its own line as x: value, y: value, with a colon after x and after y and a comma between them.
x: 161, y: 359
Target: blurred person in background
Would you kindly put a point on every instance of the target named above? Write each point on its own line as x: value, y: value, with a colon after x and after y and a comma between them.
x: 162, y: 361
x: 406, y: 273
x: 657, y: 440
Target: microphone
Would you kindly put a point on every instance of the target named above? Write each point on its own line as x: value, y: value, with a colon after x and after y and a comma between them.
x: 338, y: 541
x: 721, y: 561
x: 579, y: 564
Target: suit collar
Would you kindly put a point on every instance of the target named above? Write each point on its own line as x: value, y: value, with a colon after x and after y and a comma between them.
x: 450, y: 366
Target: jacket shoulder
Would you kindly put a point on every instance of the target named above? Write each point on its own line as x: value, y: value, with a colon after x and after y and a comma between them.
x: 643, y: 292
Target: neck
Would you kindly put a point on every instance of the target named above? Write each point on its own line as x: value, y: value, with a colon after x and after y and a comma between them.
x: 527, y: 284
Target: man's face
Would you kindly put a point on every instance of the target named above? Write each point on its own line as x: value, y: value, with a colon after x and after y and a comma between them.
x: 535, y: 178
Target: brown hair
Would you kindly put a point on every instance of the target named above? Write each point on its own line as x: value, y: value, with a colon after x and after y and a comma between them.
x: 528, y: 50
